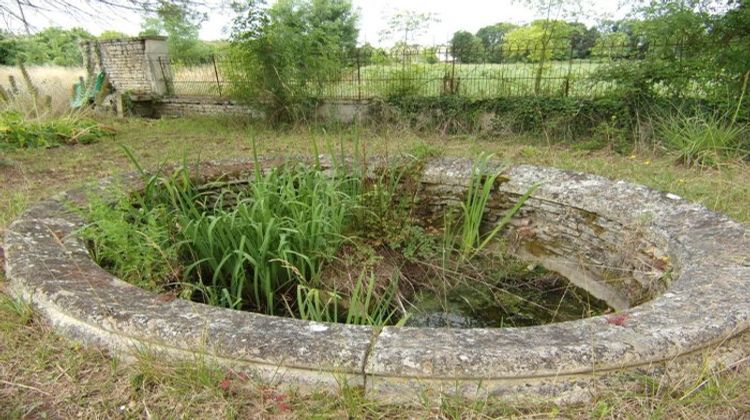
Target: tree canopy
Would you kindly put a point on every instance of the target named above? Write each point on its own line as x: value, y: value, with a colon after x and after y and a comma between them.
x: 49, y: 46
x: 467, y: 47
x: 181, y: 25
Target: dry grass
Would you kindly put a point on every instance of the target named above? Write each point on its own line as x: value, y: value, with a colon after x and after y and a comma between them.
x: 43, y: 375
x: 54, y: 81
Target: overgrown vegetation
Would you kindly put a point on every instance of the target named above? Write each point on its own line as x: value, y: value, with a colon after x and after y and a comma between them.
x: 340, y: 247
x: 28, y: 119
x: 284, y: 55
x: 554, y: 77
x: 96, y: 384
x: 706, y: 139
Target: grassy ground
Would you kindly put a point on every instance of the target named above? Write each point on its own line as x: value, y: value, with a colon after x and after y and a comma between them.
x: 43, y: 375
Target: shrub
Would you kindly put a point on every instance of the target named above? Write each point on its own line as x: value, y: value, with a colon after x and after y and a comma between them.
x: 404, y: 82
x: 286, y: 55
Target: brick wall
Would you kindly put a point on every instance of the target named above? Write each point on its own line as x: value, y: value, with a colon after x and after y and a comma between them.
x: 134, y: 65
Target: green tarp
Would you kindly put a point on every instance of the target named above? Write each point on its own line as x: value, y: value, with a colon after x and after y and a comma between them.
x: 83, y: 95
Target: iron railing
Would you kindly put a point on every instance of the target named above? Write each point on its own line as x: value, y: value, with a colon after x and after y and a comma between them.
x: 548, y: 67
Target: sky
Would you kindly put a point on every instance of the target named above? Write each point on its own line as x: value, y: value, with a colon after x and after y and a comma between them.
x: 453, y: 15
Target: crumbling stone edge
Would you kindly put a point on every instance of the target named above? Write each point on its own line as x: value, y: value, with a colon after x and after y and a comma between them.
x: 705, y: 304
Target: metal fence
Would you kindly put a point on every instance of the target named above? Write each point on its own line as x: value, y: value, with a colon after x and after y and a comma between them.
x: 550, y: 68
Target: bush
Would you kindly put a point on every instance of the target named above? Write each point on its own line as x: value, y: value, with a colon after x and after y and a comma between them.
x: 287, y: 55
x: 569, y: 118
x: 134, y: 243
x: 407, y: 81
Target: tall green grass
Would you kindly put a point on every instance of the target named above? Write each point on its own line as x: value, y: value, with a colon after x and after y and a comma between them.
x: 27, y: 119
x: 706, y: 139
x: 277, y: 235
x: 262, y: 244
x: 481, y: 184
x: 362, y: 307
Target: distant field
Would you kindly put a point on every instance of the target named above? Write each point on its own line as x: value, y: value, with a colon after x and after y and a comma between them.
x: 472, y: 80
x: 54, y: 81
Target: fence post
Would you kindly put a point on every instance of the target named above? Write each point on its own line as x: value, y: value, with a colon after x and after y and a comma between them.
x: 168, y: 82
x: 566, y: 84
x: 453, y: 72
x: 216, y: 73
x: 359, y: 75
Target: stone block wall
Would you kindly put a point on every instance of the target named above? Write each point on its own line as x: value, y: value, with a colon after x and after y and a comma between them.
x: 337, y: 111
x: 138, y: 66
x: 185, y: 106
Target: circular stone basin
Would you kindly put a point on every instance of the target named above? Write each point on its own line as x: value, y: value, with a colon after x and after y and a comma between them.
x: 678, y: 274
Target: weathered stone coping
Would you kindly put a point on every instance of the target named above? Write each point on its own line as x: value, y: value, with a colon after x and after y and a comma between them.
x: 705, y: 303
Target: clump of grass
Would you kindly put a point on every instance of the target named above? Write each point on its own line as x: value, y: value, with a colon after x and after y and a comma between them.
x: 702, y: 139
x: 50, y: 83
x: 362, y: 307
x: 16, y: 131
x: 281, y: 231
x: 133, y: 242
x: 255, y: 248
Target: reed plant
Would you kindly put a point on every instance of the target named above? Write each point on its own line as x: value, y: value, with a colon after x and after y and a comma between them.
x: 481, y: 184
x: 281, y: 232
x: 362, y: 307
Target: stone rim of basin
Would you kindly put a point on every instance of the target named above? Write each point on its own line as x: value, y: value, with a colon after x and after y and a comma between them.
x: 49, y: 266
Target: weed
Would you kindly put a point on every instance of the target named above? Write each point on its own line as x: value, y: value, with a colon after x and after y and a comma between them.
x: 27, y: 119
x: 363, y: 307
x: 18, y: 307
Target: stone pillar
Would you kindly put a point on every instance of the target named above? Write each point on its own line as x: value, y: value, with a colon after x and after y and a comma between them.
x: 138, y: 66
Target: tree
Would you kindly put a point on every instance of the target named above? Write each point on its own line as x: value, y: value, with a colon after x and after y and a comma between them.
x: 540, y: 41
x: 369, y: 55
x: 287, y: 53
x: 731, y: 37
x: 492, y: 38
x: 406, y: 25
x: 52, y: 46
x: 181, y: 25
x: 8, y: 48
x: 612, y: 45
x: 112, y: 34
x: 582, y: 40
x: 466, y: 47
x: 16, y: 13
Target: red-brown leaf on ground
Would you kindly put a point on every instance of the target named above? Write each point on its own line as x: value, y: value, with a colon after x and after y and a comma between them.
x: 225, y: 384
x: 617, y: 319
x: 166, y: 297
